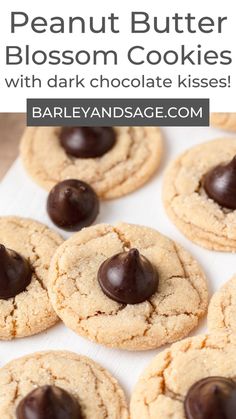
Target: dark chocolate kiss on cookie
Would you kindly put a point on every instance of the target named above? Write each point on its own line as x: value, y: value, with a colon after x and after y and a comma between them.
x: 87, y: 142
x: 72, y: 204
x: 220, y: 184
x: 128, y: 277
x: 211, y: 398
x: 15, y: 273
x: 48, y: 402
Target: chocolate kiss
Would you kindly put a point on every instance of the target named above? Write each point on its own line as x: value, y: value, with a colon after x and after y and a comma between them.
x: 15, y: 273
x: 87, y: 142
x: 128, y: 277
x: 72, y: 204
x: 48, y: 402
x: 211, y: 398
x: 220, y: 184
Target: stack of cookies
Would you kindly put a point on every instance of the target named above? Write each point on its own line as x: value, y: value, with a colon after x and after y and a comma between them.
x: 124, y: 286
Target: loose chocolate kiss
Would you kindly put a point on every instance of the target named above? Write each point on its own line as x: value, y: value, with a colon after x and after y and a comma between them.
x: 72, y: 204
x: 48, y: 402
x: 87, y: 142
x: 128, y: 277
x: 220, y: 184
x: 211, y: 398
x: 15, y: 273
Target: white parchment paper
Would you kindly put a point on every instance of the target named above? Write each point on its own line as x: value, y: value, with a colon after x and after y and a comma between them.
x: 19, y: 195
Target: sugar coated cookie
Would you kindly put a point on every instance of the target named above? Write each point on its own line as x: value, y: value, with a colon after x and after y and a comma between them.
x: 199, y: 194
x: 71, y: 385
x: 194, y: 378
x: 225, y: 121
x: 131, y: 160
x: 222, y: 308
x: 127, y: 286
x: 26, y: 249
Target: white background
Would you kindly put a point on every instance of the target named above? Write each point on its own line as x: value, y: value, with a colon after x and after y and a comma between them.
x: 21, y: 196
x: 14, y: 100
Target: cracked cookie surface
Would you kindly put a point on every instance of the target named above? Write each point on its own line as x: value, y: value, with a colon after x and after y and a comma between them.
x: 224, y: 120
x: 170, y: 314
x: 222, y: 309
x: 97, y: 392
x: 30, y: 312
x: 127, y: 166
x: 161, y: 389
x: 196, y: 215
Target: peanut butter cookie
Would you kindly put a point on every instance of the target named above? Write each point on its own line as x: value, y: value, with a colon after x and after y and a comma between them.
x: 25, y: 311
x: 166, y: 389
x: 127, y: 308
x: 225, y: 121
x: 127, y: 165
x: 89, y: 387
x: 198, y: 215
